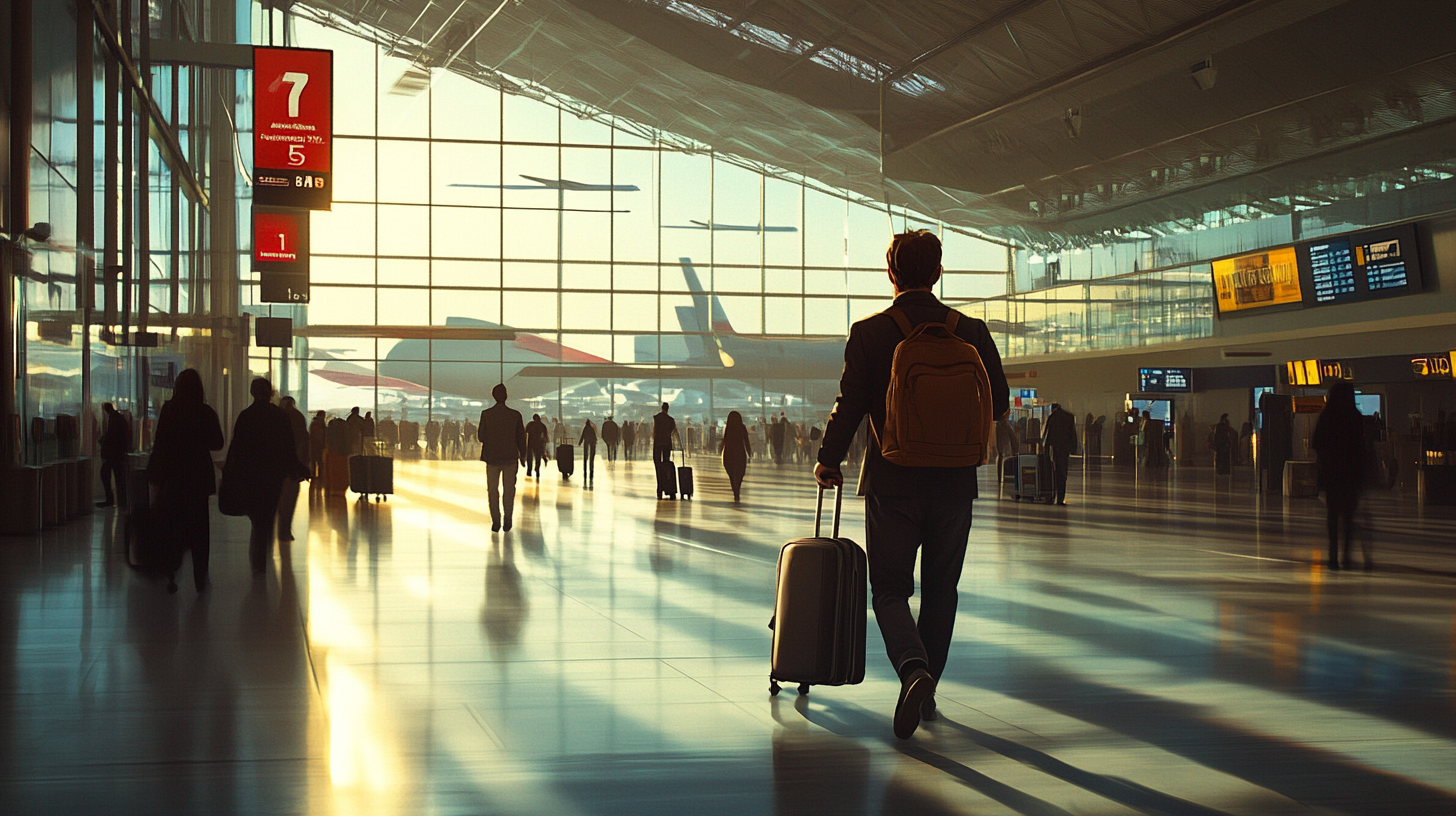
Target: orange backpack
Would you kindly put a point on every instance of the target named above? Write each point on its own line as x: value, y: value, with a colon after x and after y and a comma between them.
x: 938, y: 408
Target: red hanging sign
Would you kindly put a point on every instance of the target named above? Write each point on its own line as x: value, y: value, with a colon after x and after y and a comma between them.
x: 293, y: 127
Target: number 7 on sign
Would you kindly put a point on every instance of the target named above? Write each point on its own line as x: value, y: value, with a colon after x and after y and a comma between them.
x: 297, y: 81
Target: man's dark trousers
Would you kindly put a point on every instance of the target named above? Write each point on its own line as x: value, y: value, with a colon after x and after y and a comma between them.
x: 661, y: 452
x: 114, y: 470
x: 1061, y: 461
x: 895, y: 527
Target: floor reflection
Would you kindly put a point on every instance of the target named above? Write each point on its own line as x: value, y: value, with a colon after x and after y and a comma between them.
x: 1168, y: 645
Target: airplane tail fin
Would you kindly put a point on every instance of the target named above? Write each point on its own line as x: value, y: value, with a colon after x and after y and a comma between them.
x: 705, y: 303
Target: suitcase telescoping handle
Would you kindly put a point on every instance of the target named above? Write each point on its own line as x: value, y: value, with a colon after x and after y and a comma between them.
x: 819, y: 510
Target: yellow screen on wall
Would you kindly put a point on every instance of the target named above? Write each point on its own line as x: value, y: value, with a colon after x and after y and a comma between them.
x: 1257, y: 279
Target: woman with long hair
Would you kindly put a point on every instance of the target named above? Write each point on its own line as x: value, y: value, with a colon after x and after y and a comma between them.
x: 736, y: 450
x: 181, y: 469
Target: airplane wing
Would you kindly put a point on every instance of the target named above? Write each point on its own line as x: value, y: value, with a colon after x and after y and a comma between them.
x: 369, y: 381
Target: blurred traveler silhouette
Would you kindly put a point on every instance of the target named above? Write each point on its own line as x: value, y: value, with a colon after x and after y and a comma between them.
x: 503, y: 449
x: 318, y: 435
x: 288, y: 498
x: 911, y: 508
x: 611, y: 434
x: 366, y: 428
x: 115, y: 445
x: 629, y: 439
x: 588, y: 442
x: 355, y: 424
x: 260, y: 456
x: 777, y: 432
x: 664, y: 428
x: 1222, y: 439
x: 182, y: 471
x: 432, y: 438
x: 387, y: 432
x: 736, y: 449
x: 535, y: 445
x: 1339, y: 445
x: 1060, y: 441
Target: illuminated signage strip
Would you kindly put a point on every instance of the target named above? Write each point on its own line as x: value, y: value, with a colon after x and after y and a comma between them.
x: 1257, y: 280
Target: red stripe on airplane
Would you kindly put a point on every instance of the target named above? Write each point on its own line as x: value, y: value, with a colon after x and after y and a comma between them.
x: 726, y: 328
x: 556, y: 351
x: 369, y: 381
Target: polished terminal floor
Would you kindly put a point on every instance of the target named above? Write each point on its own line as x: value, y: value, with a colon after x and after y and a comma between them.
x: 1169, y: 646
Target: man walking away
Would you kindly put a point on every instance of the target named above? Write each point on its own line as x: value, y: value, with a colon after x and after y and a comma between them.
x: 611, y: 434
x: 115, y: 445
x: 1060, y: 441
x: 1339, y: 445
x: 629, y: 439
x: 910, y: 507
x: 260, y: 455
x: 664, y: 427
x: 588, y: 442
x: 1222, y: 439
x: 535, y: 445
x: 288, y: 499
x: 503, y: 449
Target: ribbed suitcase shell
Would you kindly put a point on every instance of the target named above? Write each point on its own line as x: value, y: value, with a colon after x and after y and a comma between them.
x: 820, y: 610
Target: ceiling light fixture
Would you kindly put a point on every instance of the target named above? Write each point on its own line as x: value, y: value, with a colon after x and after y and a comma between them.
x: 1204, y: 74
x: 1072, y: 119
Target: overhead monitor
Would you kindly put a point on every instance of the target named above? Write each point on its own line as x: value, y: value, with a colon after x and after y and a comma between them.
x: 1257, y: 280
x: 1165, y: 380
x: 280, y: 255
x: 1362, y: 266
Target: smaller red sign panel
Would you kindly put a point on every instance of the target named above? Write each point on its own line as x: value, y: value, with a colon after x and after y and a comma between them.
x: 280, y: 255
x: 275, y: 237
x: 293, y: 126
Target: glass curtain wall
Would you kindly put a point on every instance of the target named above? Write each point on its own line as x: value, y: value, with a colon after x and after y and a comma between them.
x: 480, y: 237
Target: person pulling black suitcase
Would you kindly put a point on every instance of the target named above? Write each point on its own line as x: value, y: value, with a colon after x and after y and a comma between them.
x: 819, y: 609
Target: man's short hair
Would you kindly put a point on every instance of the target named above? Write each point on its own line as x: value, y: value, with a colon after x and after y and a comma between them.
x: 106, y: 406
x: 261, y: 389
x: 664, y: 407
x: 288, y: 402
x: 499, y: 392
x: 914, y: 259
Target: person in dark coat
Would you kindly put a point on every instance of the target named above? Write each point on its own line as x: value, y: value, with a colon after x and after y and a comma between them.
x: 355, y: 423
x: 535, y: 445
x: 736, y: 449
x: 611, y: 434
x: 503, y: 449
x: 909, y: 511
x: 288, y: 498
x: 1339, y: 445
x: 260, y: 457
x: 629, y: 439
x: 115, y: 445
x: 1060, y: 440
x: 588, y: 442
x: 317, y: 440
x: 182, y: 470
x: 1222, y: 439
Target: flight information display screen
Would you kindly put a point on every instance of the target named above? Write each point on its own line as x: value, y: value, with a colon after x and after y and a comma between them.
x: 1362, y: 266
x: 1332, y: 270
x: 1165, y: 380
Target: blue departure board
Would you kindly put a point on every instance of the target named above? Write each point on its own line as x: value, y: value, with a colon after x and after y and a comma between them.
x: 1332, y: 270
x: 1384, y: 263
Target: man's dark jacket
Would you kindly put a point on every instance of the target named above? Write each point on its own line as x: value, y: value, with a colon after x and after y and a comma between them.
x: 535, y: 434
x: 866, y: 379
x: 502, y: 436
x: 116, y: 441
x: 1061, y: 431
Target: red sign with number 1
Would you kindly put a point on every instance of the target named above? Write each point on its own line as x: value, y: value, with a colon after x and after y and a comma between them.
x: 293, y: 121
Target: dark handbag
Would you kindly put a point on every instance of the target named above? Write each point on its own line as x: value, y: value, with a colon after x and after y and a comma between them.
x: 232, y: 498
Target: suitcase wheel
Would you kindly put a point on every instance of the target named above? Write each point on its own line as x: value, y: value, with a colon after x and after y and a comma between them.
x: 774, y: 687
x: 803, y: 688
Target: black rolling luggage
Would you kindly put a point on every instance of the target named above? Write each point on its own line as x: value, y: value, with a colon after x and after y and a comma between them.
x: 819, y: 609
x: 566, y: 459
x: 685, y: 480
x: 146, y: 544
x: 666, y: 479
x: 371, y: 475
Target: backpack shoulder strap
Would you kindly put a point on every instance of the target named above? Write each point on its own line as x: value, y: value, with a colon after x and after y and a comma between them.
x: 900, y: 319
x: 952, y: 317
